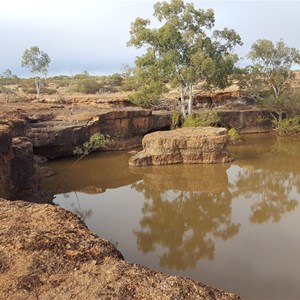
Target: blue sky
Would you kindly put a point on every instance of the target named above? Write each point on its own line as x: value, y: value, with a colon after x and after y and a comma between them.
x: 91, y: 35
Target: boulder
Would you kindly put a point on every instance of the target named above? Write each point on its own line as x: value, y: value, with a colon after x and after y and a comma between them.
x: 47, y: 252
x: 184, y: 145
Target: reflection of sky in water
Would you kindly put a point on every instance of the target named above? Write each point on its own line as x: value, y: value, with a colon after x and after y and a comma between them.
x: 231, y: 226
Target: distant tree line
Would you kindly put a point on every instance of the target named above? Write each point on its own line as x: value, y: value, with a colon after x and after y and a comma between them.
x: 184, y: 51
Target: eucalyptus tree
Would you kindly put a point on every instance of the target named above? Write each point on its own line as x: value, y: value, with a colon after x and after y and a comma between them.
x: 185, y: 50
x: 38, y: 62
x: 273, y: 64
x: 272, y: 73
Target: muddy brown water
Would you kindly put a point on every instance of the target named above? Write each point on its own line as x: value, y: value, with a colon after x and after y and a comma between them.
x: 233, y: 226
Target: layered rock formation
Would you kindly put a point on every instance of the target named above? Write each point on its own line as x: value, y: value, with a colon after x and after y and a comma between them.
x: 55, y: 130
x: 183, y: 145
x: 246, y: 119
x: 126, y: 128
x: 17, y: 172
x: 47, y: 252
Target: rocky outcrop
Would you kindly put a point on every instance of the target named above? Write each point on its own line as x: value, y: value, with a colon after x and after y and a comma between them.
x: 245, y: 119
x: 126, y: 128
x: 17, y: 172
x: 47, y: 252
x: 184, y: 145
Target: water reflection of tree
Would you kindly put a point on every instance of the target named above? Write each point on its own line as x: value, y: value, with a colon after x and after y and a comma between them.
x: 272, y: 190
x: 186, y: 224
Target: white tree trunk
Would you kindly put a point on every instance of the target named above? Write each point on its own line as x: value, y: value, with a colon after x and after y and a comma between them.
x: 182, y: 101
x: 37, y: 87
x: 276, y: 91
x: 190, y: 104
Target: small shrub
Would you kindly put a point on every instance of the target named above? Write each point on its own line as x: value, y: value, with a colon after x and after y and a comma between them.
x: 234, y: 136
x: 288, y: 126
x: 261, y: 119
x: 130, y: 84
x: 148, y: 94
x: 29, y: 90
x: 96, y: 141
x: 85, y: 86
x: 205, y: 117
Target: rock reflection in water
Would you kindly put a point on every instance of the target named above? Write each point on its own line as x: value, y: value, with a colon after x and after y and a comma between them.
x: 186, y: 207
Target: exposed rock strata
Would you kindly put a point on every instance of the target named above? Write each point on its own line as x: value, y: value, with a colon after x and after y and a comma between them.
x: 56, y: 129
x: 183, y: 145
x: 246, y: 119
x: 17, y: 172
x: 125, y: 127
x: 47, y: 252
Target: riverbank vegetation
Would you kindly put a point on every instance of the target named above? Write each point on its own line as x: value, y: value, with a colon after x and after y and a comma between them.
x: 185, y: 60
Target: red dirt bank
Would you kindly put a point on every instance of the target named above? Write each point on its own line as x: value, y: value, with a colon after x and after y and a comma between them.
x: 47, y: 252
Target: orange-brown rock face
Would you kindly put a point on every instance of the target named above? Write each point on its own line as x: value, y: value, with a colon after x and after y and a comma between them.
x: 183, y: 145
x: 126, y: 128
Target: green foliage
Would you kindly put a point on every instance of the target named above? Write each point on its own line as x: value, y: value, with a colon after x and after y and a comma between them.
x: 149, y: 94
x: 176, y: 119
x: 85, y: 86
x: 261, y: 119
x: 183, y: 50
x: 205, y: 117
x: 7, y: 79
x: 38, y: 62
x: 272, y: 69
x: 130, y: 81
x: 287, y: 104
x: 29, y: 90
x: 96, y: 141
x: 233, y: 136
x: 130, y: 84
x: 115, y: 79
x: 288, y: 126
x: 35, y: 59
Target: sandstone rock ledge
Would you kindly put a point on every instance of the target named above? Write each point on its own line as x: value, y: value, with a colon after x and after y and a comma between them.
x: 48, y: 253
x: 184, y: 145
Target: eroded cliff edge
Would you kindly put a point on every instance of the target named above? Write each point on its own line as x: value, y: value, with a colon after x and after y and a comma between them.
x: 17, y: 172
